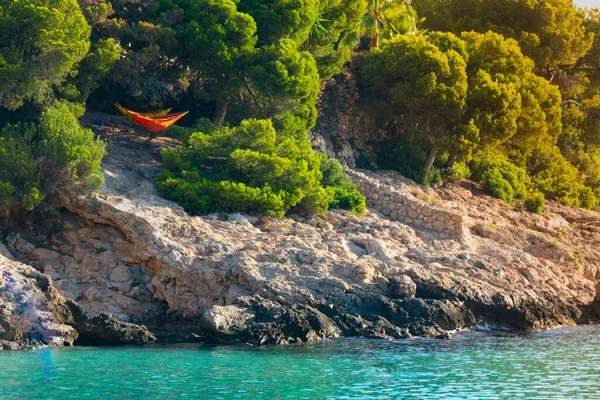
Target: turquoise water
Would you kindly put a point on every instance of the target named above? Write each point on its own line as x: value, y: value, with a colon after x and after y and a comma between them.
x: 556, y: 364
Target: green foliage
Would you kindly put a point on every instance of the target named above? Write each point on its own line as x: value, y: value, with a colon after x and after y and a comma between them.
x: 498, y: 186
x: 535, y: 202
x: 336, y: 18
x: 345, y: 194
x: 457, y: 173
x: 551, y: 32
x: 202, y: 195
x: 519, y: 79
x: 251, y: 168
x: 282, y: 18
x: 287, y: 81
x: 40, y: 44
x: 589, y: 65
x: 552, y: 174
x: 96, y: 65
x: 502, y: 178
x: 406, y: 153
x: 422, y: 85
x: 215, y: 39
x: 351, y: 200
x: 384, y: 19
x: 43, y: 159
x: 588, y: 199
x: 240, y: 58
x: 20, y: 177
x: 333, y: 173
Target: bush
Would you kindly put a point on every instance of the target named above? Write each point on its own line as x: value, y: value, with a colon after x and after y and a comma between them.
x: 535, y: 202
x: 56, y: 154
x: 201, y: 196
x: 20, y: 177
x: 183, y: 134
x: 345, y: 194
x: 459, y: 172
x: 553, y: 175
x: 588, y: 199
x: 502, y: 178
x: 403, y: 155
x: 498, y: 186
x: 250, y: 168
x: 351, y: 200
x: 333, y: 173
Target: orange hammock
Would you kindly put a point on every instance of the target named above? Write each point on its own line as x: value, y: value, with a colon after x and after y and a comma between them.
x: 158, y: 124
x: 154, y: 121
x: 127, y: 113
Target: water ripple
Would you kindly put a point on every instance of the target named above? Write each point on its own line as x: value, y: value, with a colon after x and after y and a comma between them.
x: 556, y: 364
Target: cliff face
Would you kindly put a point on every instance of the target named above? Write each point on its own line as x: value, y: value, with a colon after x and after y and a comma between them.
x: 419, y: 263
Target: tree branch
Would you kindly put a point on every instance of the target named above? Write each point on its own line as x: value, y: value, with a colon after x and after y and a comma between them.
x: 564, y: 103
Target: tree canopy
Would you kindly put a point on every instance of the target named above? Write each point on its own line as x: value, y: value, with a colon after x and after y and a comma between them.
x: 504, y: 91
x: 41, y: 42
x: 551, y: 32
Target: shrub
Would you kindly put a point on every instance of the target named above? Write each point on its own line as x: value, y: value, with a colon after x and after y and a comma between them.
x: 457, y: 173
x: 535, y: 202
x: 345, y: 194
x: 502, y: 178
x: 56, y: 154
x: 434, y: 177
x: 250, y: 168
x: 587, y: 198
x: 333, y: 173
x: 498, y: 186
x: 351, y: 200
x: 403, y: 155
x: 553, y: 175
x: 201, y: 196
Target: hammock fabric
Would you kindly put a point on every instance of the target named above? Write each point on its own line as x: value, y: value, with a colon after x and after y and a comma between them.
x: 158, y: 124
x: 127, y: 113
x: 154, y: 121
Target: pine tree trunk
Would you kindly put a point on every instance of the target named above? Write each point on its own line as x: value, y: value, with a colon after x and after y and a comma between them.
x: 220, y: 111
x: 430, y: 160
x: 451, y: 161
x: 1, y: 96
x: 85, y: 95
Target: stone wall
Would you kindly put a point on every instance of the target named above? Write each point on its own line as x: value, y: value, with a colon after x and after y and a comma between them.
x: 387, y: 197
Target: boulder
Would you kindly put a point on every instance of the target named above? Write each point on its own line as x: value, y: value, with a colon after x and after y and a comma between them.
x: 227, y: 323
x: 403, y: 287
x: 107, y: 330
x: 31, y: 310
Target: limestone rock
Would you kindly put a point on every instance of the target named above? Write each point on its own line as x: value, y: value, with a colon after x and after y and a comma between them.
x: 30, y: 308
x: 106, y: 329
x: 227, y: 322
x: 441, y: 260
x: 404, y: 287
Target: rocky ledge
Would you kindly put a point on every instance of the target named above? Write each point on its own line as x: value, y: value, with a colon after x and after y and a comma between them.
x: 33, y: 313
x: 420, y: 262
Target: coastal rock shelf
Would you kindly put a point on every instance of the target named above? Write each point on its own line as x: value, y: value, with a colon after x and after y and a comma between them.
x: 33, y: 313
x: 418, y: 263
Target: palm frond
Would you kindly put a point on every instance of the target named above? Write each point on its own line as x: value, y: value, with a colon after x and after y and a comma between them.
x: 369, y: 22
x: 350, y: 39
x: 319, y: 28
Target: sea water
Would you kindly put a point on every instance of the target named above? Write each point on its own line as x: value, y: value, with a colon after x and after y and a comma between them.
x: 554, y: 364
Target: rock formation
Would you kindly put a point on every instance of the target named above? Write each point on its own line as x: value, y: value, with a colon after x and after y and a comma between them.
x: 420, y: 262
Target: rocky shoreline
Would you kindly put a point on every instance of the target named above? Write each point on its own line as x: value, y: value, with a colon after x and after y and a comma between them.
x: 127, y: 266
